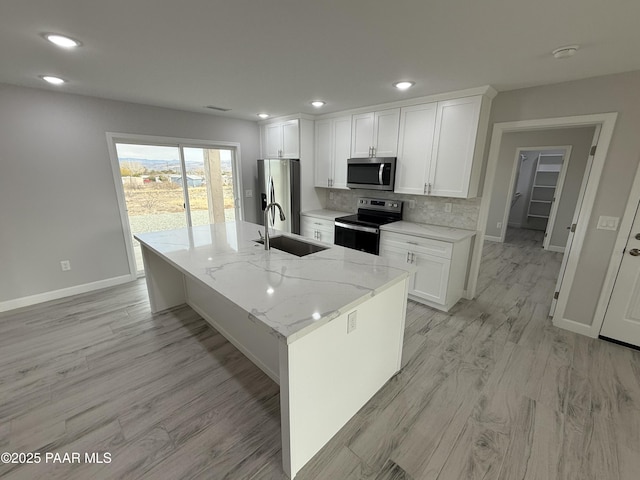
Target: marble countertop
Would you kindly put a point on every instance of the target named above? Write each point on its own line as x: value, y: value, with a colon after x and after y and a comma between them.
x: 435, y: 232
x: 290, y: 295
x: 326, y: 214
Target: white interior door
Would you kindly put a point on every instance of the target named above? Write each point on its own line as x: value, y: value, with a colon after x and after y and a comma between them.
x: 622, y: 320
x: 564, y: 161
x: 574, y: 221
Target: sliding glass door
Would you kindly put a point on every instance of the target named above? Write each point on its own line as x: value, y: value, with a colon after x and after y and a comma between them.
x: 174, y: 186
x: 210, y: 185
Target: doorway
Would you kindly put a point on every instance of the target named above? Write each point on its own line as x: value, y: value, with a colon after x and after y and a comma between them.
x: 166, y: 184
x: 540, y: 173
x: 495, y: 189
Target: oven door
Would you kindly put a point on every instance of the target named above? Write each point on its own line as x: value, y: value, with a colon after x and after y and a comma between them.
x: 358, y: 237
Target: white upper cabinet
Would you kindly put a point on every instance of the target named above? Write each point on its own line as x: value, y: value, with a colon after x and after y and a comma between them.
x: 281, y: 140
x: 385, y: 133
x: 415, y: 148
x: 362, y: 135
x: 341, y: 151
x: 323, y: 157
x: 375, y: 134
x: 333, y: 145
x: 440, y: 148
x: 454, y: 148
x: 290, y: 139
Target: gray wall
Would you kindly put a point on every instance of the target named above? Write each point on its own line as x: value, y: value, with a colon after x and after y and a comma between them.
x: 611, y: 93
x: 57, y: 193
x: 579, y: 138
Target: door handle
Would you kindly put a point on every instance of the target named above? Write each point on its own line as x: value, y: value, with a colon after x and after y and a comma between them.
x: 634, y: 252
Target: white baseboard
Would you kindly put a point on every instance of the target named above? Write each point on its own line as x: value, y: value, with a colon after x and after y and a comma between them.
x: 575, y: 327
x: 63, y: 292
x: 553, y: 248
x: 492, y: 238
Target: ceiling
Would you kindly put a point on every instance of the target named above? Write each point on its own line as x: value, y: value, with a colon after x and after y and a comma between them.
x: 276, y: 56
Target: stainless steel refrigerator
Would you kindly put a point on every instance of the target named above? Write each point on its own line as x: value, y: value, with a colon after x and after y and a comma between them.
x: 279, y: 181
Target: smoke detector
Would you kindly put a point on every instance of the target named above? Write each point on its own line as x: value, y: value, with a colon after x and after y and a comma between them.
x: 564, y: 52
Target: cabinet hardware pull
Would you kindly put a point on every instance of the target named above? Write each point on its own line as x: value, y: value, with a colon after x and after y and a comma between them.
x: 413, y: 258
x: 408, y: 257
x: 429, y: 190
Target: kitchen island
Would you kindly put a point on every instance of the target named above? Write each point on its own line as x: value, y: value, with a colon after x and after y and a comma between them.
x: 327, y: 327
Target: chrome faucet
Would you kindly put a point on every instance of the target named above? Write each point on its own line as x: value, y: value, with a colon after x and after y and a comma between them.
x: 266, y: 222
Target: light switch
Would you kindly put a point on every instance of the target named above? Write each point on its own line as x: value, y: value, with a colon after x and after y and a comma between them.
x: 608, y: 223
x: 248, y: 193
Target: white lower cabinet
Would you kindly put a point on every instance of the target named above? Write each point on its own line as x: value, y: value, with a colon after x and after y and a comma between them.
x: 442, y: 266
x: 317, y: 228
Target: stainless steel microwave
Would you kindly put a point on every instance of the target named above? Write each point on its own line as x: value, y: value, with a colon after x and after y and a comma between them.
x: 375, y: 173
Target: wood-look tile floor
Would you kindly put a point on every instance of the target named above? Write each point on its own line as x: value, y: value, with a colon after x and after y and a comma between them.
x: 490, y: 390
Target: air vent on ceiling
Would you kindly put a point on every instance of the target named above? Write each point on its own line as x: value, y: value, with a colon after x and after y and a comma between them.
x: 220, y: 109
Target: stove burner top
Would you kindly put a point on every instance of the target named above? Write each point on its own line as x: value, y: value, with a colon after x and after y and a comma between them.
x: 367, y: 220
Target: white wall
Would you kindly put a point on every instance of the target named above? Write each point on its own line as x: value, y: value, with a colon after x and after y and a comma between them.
x: 57, y: 193
x: 611, y: 93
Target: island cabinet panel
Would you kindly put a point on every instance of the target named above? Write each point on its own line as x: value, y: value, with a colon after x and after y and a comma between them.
x: 256, y: 343
x: 164, y: 282
x: 331, y: 373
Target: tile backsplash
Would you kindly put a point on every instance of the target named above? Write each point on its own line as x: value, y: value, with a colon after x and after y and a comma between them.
x: 427, y: 209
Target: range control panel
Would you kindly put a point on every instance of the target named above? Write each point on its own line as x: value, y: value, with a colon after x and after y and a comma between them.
x: 381, y: 205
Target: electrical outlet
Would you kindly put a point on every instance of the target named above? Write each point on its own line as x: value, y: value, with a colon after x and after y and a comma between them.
x: 248, y: 193
x: 499, y: 225
x: 65, y: 265
x: 412, y: 204
x: 352, y: 321
x: 447, y: 207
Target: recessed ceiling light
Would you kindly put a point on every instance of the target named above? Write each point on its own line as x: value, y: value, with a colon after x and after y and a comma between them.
x: 564, y: 52
x: 317, y: 103
x: 62, y: 40
x: 53, y: 80
x: 263, y: 115
x: 404, y: 85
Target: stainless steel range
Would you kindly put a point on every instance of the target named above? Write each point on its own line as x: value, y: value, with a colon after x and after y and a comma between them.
x: 362, y: 230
